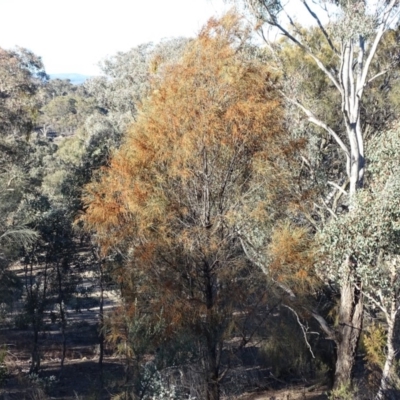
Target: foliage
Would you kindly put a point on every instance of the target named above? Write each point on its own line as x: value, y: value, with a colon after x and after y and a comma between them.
x: 127, y: 79
x: 344, y: 392
x: 168, y: 201
x: 4, y: 373
x: 371, y: 231
x: 292, y: 256
x: 22, y: 74
x: 374, y: 341
x: 161, y: 390
x: 351, y: 35
x: 203, y: 163
x: 65, y: 114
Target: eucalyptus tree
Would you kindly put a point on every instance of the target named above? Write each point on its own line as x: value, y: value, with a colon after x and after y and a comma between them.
x: 127, y: 77
x: 21, y: 76
x: 371, y: 233
x: 352, y: 30
x: 15, y: 232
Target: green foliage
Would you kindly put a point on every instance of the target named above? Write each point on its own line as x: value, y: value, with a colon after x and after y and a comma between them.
x: 65, y: 114
x: 344, y: 392
x: 370, y: 232
x: 4, y: 373
x: 21, y: 76
x: 127, y: 81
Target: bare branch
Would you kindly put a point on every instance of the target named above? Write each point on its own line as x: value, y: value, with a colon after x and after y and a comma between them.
x: 329, y: 209
x: 374, y: 301
x: 339, y: 194
x: 274, y: 22
x: 255, y: 259
x: 375, y: 44
x: 324, y: 325
x: 321, y: 27
x: 338, y: 187
x: 302, y: 328
x: 312, y: 118
x: 377, y: 76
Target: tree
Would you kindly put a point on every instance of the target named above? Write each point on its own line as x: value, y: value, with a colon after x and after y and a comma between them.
x: 353, y: 34
x: 171, y: 201
x: 65, y: 114
x: 15, y: 231
x: 22, y: 74
x: 127, y: 79
x: 371, y: 234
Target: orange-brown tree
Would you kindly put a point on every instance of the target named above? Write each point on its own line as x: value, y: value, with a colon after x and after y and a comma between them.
x: 206, y: 143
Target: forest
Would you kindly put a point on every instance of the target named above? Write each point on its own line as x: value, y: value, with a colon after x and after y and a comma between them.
x: 215, y: 217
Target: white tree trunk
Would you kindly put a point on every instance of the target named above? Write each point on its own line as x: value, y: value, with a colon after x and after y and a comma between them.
x: 385, y: 391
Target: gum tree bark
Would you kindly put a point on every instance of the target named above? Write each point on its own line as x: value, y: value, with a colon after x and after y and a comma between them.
x: 349, y: 330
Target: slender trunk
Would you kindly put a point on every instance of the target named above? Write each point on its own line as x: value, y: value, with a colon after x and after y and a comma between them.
x: 386, y: 391
x: 38, y: 306
x: 35, y: 352
x: 62, y: 317
x: 212, y: 362
x: 213, y: 387
x: 213, y: 391
x: 349, y: 330
x: 101, y: 324
x: 351, y: 300
x: 356, y: 171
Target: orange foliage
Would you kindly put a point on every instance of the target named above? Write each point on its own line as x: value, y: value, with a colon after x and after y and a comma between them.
x: 212, y: 122
x: 292, y: 252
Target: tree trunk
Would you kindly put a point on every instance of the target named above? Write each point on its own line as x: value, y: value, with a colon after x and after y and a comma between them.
x: 212, y: 389
x: 385, y: 391
x: 62, y: 317
x: 211, y: 369
x: 211, y: 333
x: 349, y: 331
x: 101, y: 325
x: 35, y: 352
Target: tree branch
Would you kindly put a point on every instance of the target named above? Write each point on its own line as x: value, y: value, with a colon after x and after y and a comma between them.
x: 256, y: 261
x: 338, y: 187
x: 324, y: 325
x: 302, y: 328
x: 377, y: 76
x: 374, y: 46
x: 321, y: 27
x: 374, y: 301
x: 274, y: 22
x: 312, y: 118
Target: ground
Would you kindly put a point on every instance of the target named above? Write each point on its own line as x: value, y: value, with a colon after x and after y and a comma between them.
x: 80, y: 377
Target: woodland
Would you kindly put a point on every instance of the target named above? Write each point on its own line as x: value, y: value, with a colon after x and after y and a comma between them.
x: 213, y: 218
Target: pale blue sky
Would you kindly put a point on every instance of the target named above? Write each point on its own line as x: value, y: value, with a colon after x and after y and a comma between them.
x: 73, y: 36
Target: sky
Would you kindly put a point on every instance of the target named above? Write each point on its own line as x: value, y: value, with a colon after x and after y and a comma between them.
x: 73, y: 36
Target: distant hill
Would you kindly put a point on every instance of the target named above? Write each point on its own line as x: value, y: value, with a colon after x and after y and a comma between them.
x: 76, y: 79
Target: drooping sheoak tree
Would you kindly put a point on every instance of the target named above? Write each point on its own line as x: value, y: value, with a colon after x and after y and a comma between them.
x: 205, y: 143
